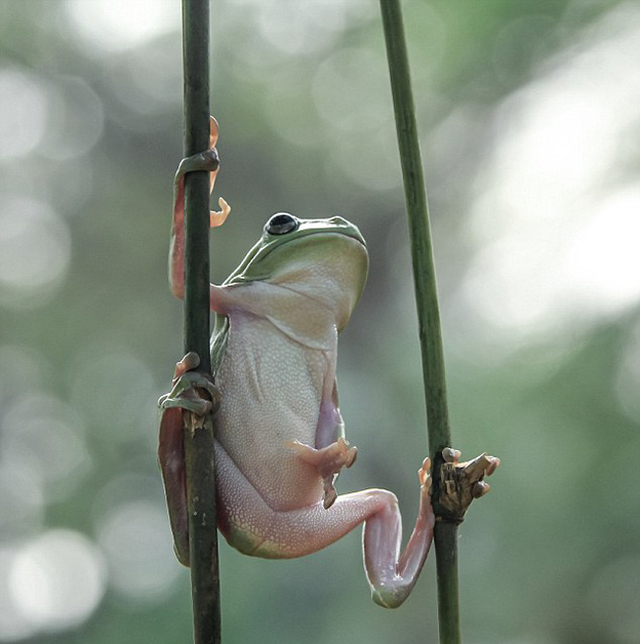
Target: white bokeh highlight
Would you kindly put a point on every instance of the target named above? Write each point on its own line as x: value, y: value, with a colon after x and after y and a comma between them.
x: 136, y: 541
x: 111, y: 26
x: 57, y: 580
x: 46, y: 438
x: 556, y: 220
x: 23, y: 118
x: 35, y: 251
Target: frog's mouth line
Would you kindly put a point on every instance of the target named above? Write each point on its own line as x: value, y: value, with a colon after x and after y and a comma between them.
x: 264, y: 252
x: 258, y: 254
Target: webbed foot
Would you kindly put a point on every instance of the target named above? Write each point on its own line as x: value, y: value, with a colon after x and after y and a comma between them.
x: 328, y: 461
x: 461, y: 482
x: 185, y: 385
x: 207, y: 161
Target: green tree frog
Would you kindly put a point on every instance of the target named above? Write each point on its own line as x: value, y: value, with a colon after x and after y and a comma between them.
x: 280, y: 441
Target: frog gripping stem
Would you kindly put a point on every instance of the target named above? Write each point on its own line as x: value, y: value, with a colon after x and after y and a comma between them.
x: 460, y: 483
x: 198, y: 441
x: 455, y: 484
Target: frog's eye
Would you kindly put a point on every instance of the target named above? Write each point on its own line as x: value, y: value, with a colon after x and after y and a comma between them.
x: 281, y: 224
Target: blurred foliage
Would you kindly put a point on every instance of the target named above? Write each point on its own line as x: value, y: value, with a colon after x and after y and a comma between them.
x: 534, y: 231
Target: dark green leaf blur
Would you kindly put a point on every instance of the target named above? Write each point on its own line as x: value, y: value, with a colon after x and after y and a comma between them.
x: 529, y: 115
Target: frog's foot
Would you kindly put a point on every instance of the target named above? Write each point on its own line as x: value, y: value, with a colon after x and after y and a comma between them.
x: 207, y: 161
x: 462, y: 482
x: 218, y: 217
x: 328, y: 461
x: 187, y: 386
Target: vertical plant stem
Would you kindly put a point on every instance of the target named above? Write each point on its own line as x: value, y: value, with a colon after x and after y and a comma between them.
x: 428, y: 310
x: 199, y: 453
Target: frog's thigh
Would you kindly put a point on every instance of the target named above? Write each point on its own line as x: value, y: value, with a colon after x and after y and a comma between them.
x: 253, y: 527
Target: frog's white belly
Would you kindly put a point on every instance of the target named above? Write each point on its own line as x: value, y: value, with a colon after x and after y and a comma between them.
x: 271, y: 393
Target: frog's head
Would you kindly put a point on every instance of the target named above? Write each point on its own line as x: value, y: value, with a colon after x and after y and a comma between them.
x: 324, y: 259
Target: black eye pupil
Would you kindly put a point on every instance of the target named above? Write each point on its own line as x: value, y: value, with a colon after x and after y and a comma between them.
x: 281, y: 223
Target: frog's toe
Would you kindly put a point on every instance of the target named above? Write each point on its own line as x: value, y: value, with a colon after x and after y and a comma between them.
x: 451, y: 455
x: 350, y: 457
x: 480, y: 489
x: 295, y: 446
x: 424, y: 476
x: 188, y: 363
x: 197, y: 405
x: 492, y: 466
x: 218, y: 217
x: 330, y: 495
x: 423, y: 473
x: 344, y: 455
x: 481, y: 466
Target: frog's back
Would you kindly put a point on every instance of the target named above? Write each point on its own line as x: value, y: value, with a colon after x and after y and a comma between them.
x: 271, y: 390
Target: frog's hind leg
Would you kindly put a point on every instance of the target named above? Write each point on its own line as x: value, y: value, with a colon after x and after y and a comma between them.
x: 253, y: 527
x: 171, y: 459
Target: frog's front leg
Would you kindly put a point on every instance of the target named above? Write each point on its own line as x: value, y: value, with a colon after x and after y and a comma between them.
x: 207, y: 161
x: 328, y: 461
x: 331, y: 452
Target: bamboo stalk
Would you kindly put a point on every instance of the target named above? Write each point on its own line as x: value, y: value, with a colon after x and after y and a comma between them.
x: 445, y: 536
x: 199, y: 452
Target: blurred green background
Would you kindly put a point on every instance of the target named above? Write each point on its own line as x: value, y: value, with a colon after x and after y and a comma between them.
x: 529, y: 114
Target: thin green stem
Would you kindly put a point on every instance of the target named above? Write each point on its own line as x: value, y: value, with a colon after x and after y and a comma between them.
x: 446, y: 543
x: 199, y: 453
x: 428, y: 310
